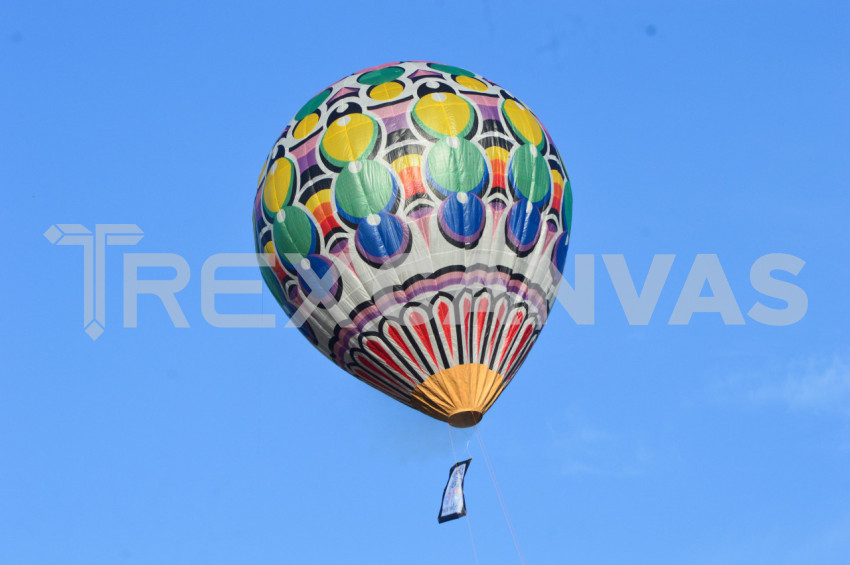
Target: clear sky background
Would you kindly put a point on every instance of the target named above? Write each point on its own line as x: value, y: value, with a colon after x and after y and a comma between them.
x: 698, y: 127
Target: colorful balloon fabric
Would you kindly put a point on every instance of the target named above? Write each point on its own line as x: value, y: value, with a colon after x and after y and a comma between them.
x: 414, y: 221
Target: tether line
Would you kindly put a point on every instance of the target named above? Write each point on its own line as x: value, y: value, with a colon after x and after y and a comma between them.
x: 468, y: 521
x: 499, y: 493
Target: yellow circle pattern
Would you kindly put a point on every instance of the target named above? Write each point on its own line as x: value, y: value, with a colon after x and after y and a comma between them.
x: 444, y: 112
x: 471, y: 83
x: 305, y: 126
x: 386, y: 91
x: 523, y: 122
x: 348, y: 137
x: 278, y: 184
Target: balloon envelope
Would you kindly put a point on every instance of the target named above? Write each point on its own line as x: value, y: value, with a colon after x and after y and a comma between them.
x: 414, y: 219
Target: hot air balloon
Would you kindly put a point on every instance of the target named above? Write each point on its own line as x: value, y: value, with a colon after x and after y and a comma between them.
x: 413, y: 220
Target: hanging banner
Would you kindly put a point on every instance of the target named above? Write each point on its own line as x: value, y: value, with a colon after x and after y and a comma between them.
x: 454, y: 504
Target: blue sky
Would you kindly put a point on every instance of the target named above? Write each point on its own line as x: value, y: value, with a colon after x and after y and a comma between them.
x: 687, y: 128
